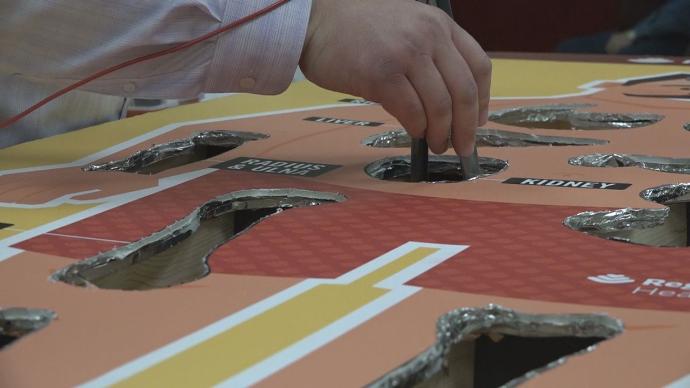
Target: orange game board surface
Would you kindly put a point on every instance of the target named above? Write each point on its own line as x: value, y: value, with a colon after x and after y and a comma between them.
x: 341, y: 294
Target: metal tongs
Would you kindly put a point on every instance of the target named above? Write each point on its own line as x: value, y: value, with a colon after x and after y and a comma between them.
x: 419, y: 152
x: 419, y: 162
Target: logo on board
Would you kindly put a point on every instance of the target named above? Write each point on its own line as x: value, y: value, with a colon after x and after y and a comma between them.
x: 611, y: 279
x: 3, y: 225
x: 651, y: 287
x: 277, y: 167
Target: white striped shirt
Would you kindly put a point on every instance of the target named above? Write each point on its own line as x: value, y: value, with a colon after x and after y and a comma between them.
x: 47, y: 44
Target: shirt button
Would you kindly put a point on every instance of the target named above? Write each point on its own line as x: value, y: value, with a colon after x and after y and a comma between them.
x: 129, y: 87
x: 247, y: 83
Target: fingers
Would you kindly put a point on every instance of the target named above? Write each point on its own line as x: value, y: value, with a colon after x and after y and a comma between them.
x: 436, y: 100
x: 400, y: 99
x: 433, y: 86
x: 480, y: 66
x: 461, y: 84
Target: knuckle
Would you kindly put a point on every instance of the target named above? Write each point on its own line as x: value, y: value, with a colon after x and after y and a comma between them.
x: 437, y: 15
x: 391, y: 66
x: 412, y: 108
x: 484, y: 67
x: 395, y: 54
x: 430, y: 22
x: 395, y: 80
x: 468, y: 94
x: 443, y: 106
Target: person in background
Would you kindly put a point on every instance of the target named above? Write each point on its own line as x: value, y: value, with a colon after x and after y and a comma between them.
x: 665, y: 32
x: 410, y: 57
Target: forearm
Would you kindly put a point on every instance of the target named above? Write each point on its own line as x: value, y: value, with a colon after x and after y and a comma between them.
x: 61, y: 41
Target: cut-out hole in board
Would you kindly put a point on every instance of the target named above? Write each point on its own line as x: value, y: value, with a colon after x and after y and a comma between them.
x: 17, y: 322
x: 178, y: 254
x: 495, y: 346
x: 567, y: 117
x: 399, y: 138
x: 655, y: 163
x: 442, y: 168
x: 161, y: 157
x: 657, y: 227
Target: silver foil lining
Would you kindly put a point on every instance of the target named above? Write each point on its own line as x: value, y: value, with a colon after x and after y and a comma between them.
x: 396, y: 138
x: 605, y: 223
x: 145, y: 158
x: 442, y: 168
x: 105, y: 264
x: 464, y: 323
x: 485, y: 137
x: 500, y: 138
x: 668, y: 194
x: 568, y: 117
x: 670, y: 165
x: 658, y: 227
x: 17, y: 322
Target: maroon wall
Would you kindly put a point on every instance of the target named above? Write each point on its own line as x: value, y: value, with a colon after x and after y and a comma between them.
x: 538, y: 25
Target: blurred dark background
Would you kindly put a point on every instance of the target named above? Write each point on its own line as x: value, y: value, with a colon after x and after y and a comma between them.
x: 539, y: 25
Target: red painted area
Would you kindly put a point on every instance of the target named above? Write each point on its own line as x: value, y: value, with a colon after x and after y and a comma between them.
x: 66, y: 246
x: 518, y: 251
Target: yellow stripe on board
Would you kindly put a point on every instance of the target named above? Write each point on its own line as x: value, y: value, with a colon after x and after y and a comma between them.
x: 530, y: 78
x: 395, y: 266
x: 230, y: 352
x: 76, y: 145
x: 27, y: 219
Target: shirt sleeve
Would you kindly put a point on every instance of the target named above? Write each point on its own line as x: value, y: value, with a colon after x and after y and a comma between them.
x: 62, y: 41
x: 673, y: 18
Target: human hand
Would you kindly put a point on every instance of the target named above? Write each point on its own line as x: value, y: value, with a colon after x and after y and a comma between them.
x: 412, y: 58
x: 619, y: 41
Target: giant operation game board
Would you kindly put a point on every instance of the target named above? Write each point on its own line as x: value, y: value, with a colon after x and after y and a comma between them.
x: 276, y: 241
